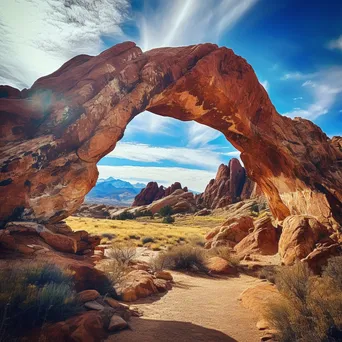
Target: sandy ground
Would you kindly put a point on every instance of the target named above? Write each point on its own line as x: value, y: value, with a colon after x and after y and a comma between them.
x: 196, y: 309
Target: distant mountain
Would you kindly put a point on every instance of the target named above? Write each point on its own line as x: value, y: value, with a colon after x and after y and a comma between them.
x: 113, y: 191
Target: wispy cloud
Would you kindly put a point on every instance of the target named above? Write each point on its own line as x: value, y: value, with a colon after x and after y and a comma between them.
x: 296, y: 76
x: 201, y: 135
x: 184, y: 22
x: 192, y: 178
x: 325, y: 86
x: 335, y: 44
x: 208, y: 158
x: 37, y: 37
x: 297, y: 98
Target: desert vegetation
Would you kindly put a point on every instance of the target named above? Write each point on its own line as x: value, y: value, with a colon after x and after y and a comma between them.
x: 143, y: 231
x: 311, y: 308
x: 33, y: 295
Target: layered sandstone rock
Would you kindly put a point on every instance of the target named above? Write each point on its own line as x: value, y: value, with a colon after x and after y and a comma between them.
x: 53, y: 134
x: 262, y: 240
x: 153, y: 192
x: 230, y: 185
x: 299, y: 236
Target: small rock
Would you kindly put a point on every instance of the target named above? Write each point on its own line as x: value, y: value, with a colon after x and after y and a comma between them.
x: 163, y: 275
x: 117, y: 323
x: 162, y: 285
x: 93, y: 306
x: 87, y: 295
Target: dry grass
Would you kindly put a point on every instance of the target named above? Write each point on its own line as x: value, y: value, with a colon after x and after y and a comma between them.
x: 181, y: 258
x: 184, y: 230
x: 311, y: 309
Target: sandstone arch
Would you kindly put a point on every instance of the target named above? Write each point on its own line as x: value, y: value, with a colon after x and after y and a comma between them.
x: 52, y: 135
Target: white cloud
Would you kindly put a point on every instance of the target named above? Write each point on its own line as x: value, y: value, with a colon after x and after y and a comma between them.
x: 297, y: 98
x: 201, y: 135
x: 192, y: 178
x: 37, y: 37
x: 296, y: 76
x: 202, y: 157
x: 184, y: 22
x: 151, y: 123
x: 325, y: 88
x: 266, y: 85
x: 336, y: 44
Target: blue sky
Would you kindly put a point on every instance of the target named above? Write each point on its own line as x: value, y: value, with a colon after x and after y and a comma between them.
x: 295, y: 47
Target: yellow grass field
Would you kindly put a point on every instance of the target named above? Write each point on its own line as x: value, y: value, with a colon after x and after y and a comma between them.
x: 185, y: 229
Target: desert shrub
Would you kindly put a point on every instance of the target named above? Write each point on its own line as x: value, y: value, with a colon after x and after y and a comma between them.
x: 115, y: 270
x: 126, y: 215
x: 108, y: 236
x: 168, y: 219
x: 197, y: 241
x: 122, y: 252
x: 147, y: 239
x: 311, y: 307
x: 333, y: 270
x: 166, y: 211
x: 226, y: 254
x: 134, y: 237
x: 33, y: 295
x: 183, y: 257
x: 143, y: 213
x: 269, y: 273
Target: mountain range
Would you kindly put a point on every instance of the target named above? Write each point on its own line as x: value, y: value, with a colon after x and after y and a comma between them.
x: 113, y: 191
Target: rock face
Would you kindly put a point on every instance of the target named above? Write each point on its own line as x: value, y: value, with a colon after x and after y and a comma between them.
x: 53, y: 134
x: 230, y: 185
x: 299, y: 237
x: 153, y: 192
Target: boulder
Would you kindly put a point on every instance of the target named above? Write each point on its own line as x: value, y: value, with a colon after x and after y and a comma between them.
x: 87, y: 327
x: 59, y: 242
x: 179, y: 201
x: 217, y: 265
x: 93, y: 305
x: 299, y: 236
x: 137, y: 284
x: 230, y: 233
x: 87, y: 295
x: 162, y: 285
x: 163, y: 275
x: 117, y: 323
x: 320, y: 255
x: 262, y: 240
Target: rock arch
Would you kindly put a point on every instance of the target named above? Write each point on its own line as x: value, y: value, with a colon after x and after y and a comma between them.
x: 53, y: 134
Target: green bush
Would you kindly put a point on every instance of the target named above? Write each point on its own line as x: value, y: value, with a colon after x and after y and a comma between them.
x: 33, y: 295
x: 147, y: 239
x: 168, y: 219
x: 126, y: 215
x: 166, y: 211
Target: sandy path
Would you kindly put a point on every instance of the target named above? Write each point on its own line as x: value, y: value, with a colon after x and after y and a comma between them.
x: 196, y: 309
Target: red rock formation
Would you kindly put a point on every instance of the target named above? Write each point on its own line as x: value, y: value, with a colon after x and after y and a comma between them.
x: 229, y: 186
x: 153, y: 192
x: 53, y: 134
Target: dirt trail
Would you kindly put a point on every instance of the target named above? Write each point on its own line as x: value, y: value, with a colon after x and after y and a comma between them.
x: 196, y: 309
